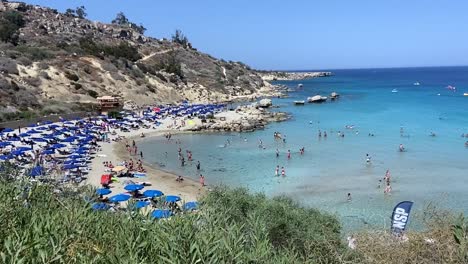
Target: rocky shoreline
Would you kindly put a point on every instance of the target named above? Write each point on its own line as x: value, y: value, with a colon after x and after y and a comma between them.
x: 292, y: 76
x: 246, y: 118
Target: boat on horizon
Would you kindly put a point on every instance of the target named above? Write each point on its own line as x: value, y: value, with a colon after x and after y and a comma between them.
x: 334, y: 96
x: 416, y: 84
x: 465, y: 94
x: 394, y: 91
x: 299, y: 102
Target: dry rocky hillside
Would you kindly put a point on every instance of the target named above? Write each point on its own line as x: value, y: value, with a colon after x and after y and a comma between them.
x: 52, y: 63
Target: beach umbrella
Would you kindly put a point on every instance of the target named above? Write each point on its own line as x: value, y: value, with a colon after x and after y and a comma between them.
x: 70, y: 167
x: 17, y: 152
x: 159, y: 214
x: 118, y: 168
x: 119, y: 198
x: 141, y: 204
x: 134, y: 187
x: 34, y: 131
x: 39, y: 140
x: 172, y: 198
x: 36, y: 171
x: 57, y: 146
x: 4, y: 144
x: 48, y: 152
x: 23, y: 148
x: 32, y: 125
x: 191, y: 206
x: 24, y: 135
x: 81, y: 151
x: 54, y: 126
x: 15, y: 139
x: 152, y: 193
x: 69, y: 139
x: 103, y: 191
x: 6, y: 130
x: 5, y: 157
x: 100, y: 206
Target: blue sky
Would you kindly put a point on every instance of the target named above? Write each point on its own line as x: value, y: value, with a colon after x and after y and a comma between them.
x: 271, y: 34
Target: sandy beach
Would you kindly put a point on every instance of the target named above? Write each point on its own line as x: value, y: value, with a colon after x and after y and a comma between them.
x: 188, y: 190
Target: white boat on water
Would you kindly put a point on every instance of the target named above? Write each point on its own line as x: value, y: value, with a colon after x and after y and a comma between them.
x: 465, y: 94
x: 300, y: 102
x: 416, y: 84
x: 394, y: 91
x: 317, y: 99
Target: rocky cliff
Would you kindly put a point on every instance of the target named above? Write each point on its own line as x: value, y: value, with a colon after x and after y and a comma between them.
x: 55, y: 63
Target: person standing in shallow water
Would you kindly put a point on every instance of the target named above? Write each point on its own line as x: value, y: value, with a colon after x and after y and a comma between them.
x: 277, y: 170
x: 198, y: 165
x: 283, y: 172
x: 289, y: 154
x: 349, y: 197
x: 277, y: 153
x: 202, y: 180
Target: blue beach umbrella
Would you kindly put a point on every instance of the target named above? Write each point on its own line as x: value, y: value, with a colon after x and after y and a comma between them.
x: 58, y: 146
x: 17, y: 152
x: 141, y: 204
x: 69, y: 139
x: 6, y: 130
x: 172, y: 198
x: 39, y: 140
x: 152, y: 193
x: 191, y: 206
x: 34, y: 131
x: 48, y: 152
x: 159, y: 214
x: 103, y: 191
x: 32, y: 125
x: 100, y: 206
x: 4, y: 144
x: 36, y: 171
x: 5, y: 157
x: 23, y: 148
x: 119, y: 198
x: 15, y: 139
x: 133, y: 187
x: 24, y: 135
x: 70, y: 167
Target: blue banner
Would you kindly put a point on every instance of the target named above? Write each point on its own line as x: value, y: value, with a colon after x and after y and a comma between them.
x: 400, y: 216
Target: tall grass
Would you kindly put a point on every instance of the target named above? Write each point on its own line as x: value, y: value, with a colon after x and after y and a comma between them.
x: 43, y: 225
x: 47, y: 223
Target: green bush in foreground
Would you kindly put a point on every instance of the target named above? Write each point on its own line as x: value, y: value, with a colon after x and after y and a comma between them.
x: 231, y: 227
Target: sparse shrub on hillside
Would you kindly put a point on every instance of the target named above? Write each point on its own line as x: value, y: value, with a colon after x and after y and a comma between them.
x: 35, y: 53
x: 137, y: 73
x: 171, y: 64
x: 10, y: 23
x: 116, y: 76
x: 77, y: 86
x: 15, y: 86
x: 8, y: 66
x: 72, y: 76
x: 42, y: 65
x: 44, y: 75
x: 123, y: 50
x: 92, y: 93
x: 24, y: 61
x: 161, y: 77
x: 33, y: 81
x: 151, y: 88
x: 87, y: 69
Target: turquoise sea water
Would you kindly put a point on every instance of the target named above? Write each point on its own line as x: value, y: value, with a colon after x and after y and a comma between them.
x: 433, y: 169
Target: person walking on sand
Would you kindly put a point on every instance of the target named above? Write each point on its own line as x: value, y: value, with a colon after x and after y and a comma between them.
x: 277, y: 170
x: 283, y: 172
x: 202, y: 180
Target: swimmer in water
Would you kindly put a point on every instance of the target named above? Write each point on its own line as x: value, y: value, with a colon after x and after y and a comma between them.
x: 277, y: 153
x: 402, y: 148
x: 289, y: 154
x: 320, y: 134
x: 368, y: 158
x: 277, y: 170
x: 349, y: 197
x: 283, y: 172
x: 324, y: 134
